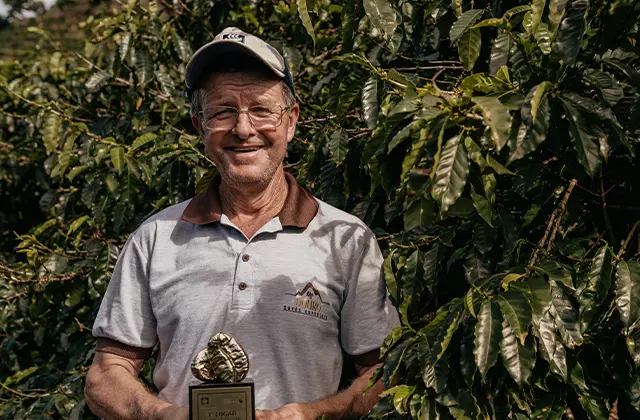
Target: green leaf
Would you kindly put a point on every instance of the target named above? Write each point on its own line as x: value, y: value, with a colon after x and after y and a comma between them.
x: 125, y: 45
x: 117, y: 158
x: 628, y: 292
x: 414, y: 155
x: 496, y: 117
x: 182, y: 48
x: 606, y: 86
x: 303, y: 12
x: 544, y: 38
x: 75, y: 171
x: 483, y: 237
x: 464, y: 23
x: 516, y: 311
x: 585, y: 140
x: 469, y: 48
x: 476, y: 267
x: 556, y: 12
x: 166, y: 83
x: 594, y: 406
x: 500, y: 52
x: 467, y: 359
x: 390, y: 277
x: 430, y: 265
x: 451, y: 174
x: 537, y: 7
x: 487, y: 336
x: 75, y: 225
x: 51, y: 130
x: 518, y: 9
x: 348, y: 91
x: 565, y: 316
x: 141, y: 141
x: 482, y: 206
x: 537, y: 291
x: 571, y: 31
x: 518, y: 359
x: 20, y: 375
x: 370, y: 101
x: 494, y: 22
x: 402, y: 135
x: 144, y: 67
x: 593, y: 292
x: 434, y: 373
x: 97, y: 81
x: 338, y: 145
x: 535, y: 116
x: 382, y: 16
x: 497, y: 166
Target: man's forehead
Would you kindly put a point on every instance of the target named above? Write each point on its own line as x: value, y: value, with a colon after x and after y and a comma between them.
x: 253, y: 85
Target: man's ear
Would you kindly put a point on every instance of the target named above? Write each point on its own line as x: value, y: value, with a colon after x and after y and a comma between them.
x: 292, y: 115
x: 196, y: 123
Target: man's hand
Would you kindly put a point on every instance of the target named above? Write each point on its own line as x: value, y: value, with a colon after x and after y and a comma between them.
x: 288, y: 412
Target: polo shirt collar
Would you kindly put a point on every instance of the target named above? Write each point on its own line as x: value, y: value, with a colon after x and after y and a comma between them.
x: 299, y: 207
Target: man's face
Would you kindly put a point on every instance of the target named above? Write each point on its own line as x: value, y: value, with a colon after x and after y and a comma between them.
x: 244, y: 154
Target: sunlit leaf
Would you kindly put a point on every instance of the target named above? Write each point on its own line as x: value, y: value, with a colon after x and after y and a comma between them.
x: 469, y: 47
x: 51, y: 131
x: 516, y: 311
x: 585, y: 140
x: 451, y: 173
x: 566, y: 317
x: 382, y: 16
x: 464, y: 23
x: 519, y: 359
x: 370, y: 101
x: 117, y: 158
x: 500, y: 52
x: 487, y: 336
x: 338, y: 145
x: 544, y: 38
x: 496, y: 117
x: 628, y: 292
x: 535, y: 116
x: 303, y: 12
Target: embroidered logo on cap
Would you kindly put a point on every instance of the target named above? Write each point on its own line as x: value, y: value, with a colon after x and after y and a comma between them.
x: 234, y: 37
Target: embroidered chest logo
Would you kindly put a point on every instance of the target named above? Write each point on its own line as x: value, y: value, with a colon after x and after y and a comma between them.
x: 307, y: 301
x: 234, y: 37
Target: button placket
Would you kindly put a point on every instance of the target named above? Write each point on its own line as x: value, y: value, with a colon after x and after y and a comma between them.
x: 243, y: 290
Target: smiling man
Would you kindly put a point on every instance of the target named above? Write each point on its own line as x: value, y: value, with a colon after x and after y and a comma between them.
x: 295, y: 281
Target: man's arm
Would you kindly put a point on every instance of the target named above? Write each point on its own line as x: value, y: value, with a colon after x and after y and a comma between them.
x: 113, y: 391
x: 349, y: 403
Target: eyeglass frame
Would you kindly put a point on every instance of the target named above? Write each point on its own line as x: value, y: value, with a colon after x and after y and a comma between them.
x: 243, y: 111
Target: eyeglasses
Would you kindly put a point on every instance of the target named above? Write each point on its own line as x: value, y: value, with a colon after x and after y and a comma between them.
x: 224, y: 118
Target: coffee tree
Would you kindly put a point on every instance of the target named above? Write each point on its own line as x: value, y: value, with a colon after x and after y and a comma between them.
x: 491, y: 147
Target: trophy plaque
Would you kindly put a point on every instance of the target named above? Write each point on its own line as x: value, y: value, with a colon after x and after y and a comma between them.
x: 222, y: 366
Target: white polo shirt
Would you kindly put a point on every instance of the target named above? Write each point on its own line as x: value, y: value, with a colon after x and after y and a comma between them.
x: 306, y: 286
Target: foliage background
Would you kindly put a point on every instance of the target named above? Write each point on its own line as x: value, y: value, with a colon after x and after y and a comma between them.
x: 491, y: 146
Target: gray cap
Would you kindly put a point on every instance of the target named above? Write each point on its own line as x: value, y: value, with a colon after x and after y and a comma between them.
x: 233, y: 40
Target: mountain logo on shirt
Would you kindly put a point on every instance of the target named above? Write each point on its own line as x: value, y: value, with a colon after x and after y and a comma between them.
x: 307, y: 301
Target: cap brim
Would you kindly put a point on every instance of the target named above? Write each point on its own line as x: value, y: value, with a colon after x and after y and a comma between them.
x: 203, y: 59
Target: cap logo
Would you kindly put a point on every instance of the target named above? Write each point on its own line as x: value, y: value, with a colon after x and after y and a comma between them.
x: 234, y: 37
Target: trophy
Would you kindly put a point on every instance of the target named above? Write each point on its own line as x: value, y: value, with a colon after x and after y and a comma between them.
x: 222, y: 366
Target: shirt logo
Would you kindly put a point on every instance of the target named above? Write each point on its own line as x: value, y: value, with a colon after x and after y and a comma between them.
x: 234, y: 37
x: 307, y: 301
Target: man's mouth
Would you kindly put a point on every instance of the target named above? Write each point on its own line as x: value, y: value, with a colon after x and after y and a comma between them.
x: 244, y: 149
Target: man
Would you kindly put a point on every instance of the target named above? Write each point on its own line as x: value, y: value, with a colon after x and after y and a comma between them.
x: 295, y: 281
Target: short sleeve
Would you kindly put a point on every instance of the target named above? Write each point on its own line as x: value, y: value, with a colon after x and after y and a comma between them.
x: 367, y: 315
x: 125, y: 313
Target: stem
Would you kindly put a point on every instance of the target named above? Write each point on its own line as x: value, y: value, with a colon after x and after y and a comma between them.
x: 607, y: 220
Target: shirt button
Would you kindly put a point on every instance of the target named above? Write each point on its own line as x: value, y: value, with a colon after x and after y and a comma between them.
x: 242, y: 286
x: 245, y: 258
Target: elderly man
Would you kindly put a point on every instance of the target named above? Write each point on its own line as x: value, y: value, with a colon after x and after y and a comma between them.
x: 295, y: 281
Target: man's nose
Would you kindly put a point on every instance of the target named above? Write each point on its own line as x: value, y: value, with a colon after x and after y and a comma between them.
x: 244, y: 128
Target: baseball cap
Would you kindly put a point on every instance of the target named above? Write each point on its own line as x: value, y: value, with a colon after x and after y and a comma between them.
x: 235, y: 41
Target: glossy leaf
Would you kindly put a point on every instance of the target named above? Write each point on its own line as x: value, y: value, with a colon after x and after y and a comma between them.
x: 464, y: 23
x: 556, y: 13
x: 594, y: 406
x: 338, y: 145
x: 430, y: 267
x: 488, y: 334
x: 125, y: 45
x: 595, y: 289
x: 544, y: 38
x: 496, y: 117
x: 370, y: 101
x: 519, y: 359
x: 451, y: 173
x: 117, y: 158
x: 390, y: 277
x: 565, y: 316
x: 585, y: 141
x: 97, y: 81
x: 414, y: 155
x: 516, y: 311
x: 606, y: 86
x: 535, y: 116
x: 382, y: 16
x: 628, y: 292
x: 469, y: 47
x: 51, y: 131
x: 303, y: 12
x: 571, y: 30
x: 537, y: 291
x: 348, y: 91
x: 537, y: 7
